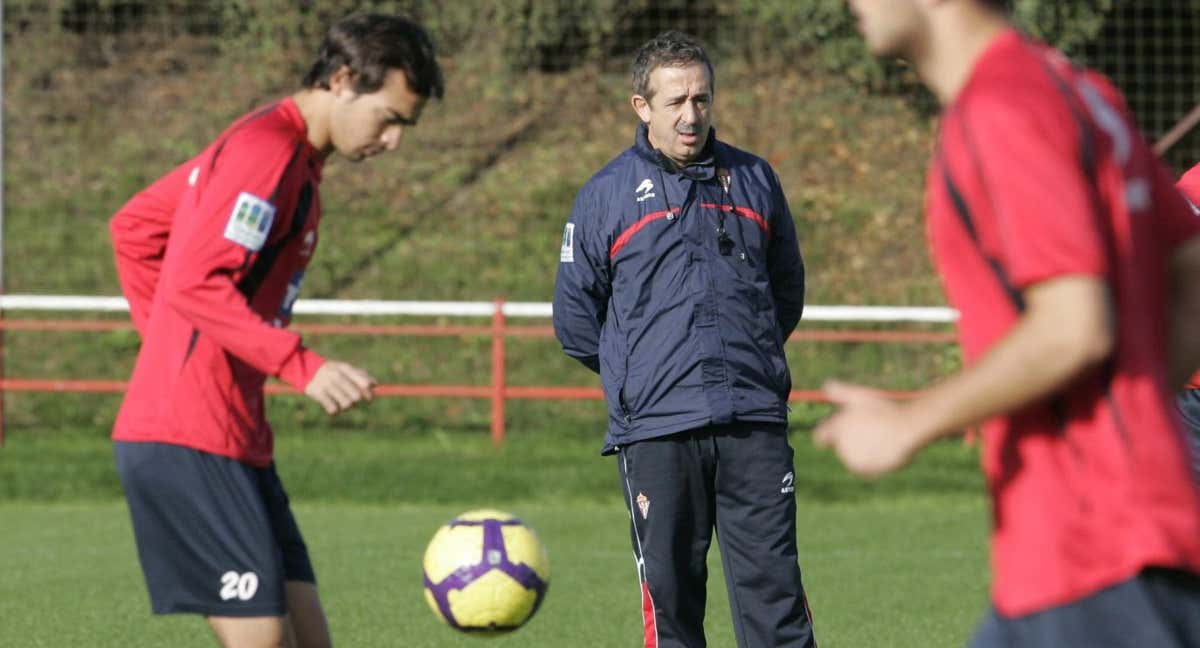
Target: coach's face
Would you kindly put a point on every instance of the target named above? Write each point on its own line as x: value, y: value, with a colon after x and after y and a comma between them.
x: 890, y: 27
x: 678, y: 110
x: 366, y: 124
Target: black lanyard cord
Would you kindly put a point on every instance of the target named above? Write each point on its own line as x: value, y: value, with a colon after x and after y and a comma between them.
x: 725, y: 243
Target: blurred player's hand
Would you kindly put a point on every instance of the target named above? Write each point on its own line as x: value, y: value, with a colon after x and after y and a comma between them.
x: 338, y: 386
x: 868, y: 432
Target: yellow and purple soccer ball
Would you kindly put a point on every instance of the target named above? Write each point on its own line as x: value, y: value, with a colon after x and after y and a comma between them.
x: 485, y: 572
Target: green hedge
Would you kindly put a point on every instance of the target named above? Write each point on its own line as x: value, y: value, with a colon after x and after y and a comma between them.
x: 558, y: 35
x: 541, y: 34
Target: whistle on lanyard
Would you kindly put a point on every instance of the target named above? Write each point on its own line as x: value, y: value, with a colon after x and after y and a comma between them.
x: 724, y: 242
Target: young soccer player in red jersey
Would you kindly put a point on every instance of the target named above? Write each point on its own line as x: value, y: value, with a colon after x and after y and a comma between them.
x: 1075, y: 267
x: 211, y: 258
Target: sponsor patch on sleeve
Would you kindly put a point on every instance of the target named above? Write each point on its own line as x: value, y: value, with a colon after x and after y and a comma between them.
x: 250, y: 222
x: 567, y: 254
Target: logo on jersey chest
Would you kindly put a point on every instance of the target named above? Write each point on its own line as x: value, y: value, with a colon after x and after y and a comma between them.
x: 644, y: 191
x: 725, y: 178
x: 306, y: 245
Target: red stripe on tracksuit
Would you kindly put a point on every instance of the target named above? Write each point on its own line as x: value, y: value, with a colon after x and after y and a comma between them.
x: 649, y: 625
x: 633, y: 229
x: 744, y: 212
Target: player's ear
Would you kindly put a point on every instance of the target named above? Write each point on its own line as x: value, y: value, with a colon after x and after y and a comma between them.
x: 641, y: 106
x: 341, y: 82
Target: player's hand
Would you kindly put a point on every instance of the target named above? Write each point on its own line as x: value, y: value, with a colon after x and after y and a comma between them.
x: 338, y: 386
x: 868, y: 432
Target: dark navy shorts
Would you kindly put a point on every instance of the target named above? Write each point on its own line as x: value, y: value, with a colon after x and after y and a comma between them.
x: 1188, y: 402
x: 215, y: 536
x: 1158, y: 607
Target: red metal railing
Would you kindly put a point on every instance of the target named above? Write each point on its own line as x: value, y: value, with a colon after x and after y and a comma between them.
x: 498, y: 391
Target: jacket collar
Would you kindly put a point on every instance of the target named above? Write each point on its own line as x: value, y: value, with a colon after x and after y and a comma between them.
x: 703, y: 168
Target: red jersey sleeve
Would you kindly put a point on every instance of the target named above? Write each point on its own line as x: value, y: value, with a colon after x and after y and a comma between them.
x: 1175, y: 211
x: 239, y: 206
x: 1027, y: 157
x: 1189, y: 186
x: 139, y: 232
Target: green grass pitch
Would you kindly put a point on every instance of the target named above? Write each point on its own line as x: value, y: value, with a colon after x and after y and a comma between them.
x: 905, y: 573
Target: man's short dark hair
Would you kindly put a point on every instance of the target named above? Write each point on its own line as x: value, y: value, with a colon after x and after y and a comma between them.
x: 1004, y: 6
x: 668, y: 49
x: 371, y: 45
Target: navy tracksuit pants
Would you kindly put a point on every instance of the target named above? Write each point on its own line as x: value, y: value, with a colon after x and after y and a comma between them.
x: 738, y: 479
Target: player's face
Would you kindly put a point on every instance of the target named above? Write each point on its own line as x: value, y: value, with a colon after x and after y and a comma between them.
x: 890, y: 27
x: 679, y: 112
x: 367, y: 124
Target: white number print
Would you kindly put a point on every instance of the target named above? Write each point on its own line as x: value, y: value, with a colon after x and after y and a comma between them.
x: 238, y: 586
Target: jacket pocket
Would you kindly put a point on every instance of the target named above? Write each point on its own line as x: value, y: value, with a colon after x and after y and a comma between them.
x: 764, y: 342
x: 780, y: 371
x: 623, y: 404
x: 623, y: 391
x: 614, y: 374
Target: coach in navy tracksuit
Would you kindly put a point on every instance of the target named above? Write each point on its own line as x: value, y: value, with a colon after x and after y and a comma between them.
x: 680, y: 277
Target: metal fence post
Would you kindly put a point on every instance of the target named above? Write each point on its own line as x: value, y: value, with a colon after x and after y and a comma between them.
x: 498, y: 370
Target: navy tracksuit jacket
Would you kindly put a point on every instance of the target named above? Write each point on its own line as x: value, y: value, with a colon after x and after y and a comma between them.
x: 679, y: 286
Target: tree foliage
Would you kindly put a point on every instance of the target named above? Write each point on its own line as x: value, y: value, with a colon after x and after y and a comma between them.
x: 551, y: 34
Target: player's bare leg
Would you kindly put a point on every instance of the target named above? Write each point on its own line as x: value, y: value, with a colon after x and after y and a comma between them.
x: 250, y: 632
x: 306, y: 618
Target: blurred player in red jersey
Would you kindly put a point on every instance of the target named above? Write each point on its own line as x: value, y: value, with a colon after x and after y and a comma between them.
x: 211, y: 258
x: 1189, y: 184
x: 1075, y: 267
x: 1189, y: 398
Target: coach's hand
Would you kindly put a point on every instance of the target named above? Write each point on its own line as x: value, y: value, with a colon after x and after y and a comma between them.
x: 869, y: 432
x: 338, y: 386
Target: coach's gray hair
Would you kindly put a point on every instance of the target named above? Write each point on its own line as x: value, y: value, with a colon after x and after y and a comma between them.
x: 668, y: 49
